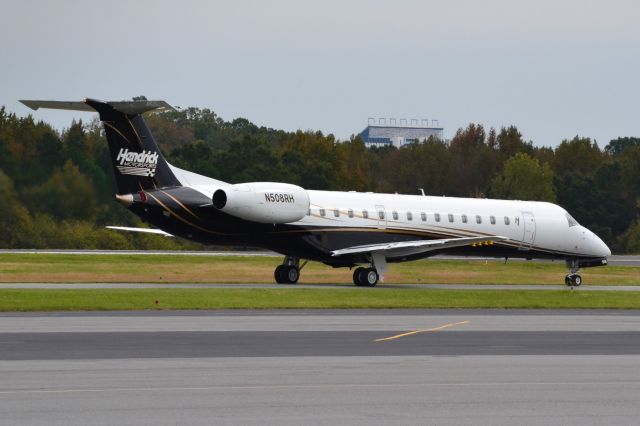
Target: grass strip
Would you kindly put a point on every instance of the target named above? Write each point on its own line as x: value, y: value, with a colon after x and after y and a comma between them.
x: 380, y: 298
x: 70, y: 268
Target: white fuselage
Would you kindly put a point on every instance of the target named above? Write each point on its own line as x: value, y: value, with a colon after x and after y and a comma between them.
x: 528, y: 224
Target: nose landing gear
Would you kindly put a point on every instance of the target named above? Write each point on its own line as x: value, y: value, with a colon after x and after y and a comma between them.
x: 573, y: 279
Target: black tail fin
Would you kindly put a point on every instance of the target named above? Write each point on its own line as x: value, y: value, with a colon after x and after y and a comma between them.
x: 137, y: 162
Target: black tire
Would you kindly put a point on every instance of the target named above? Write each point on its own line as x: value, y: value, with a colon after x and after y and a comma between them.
x: 356, y: 276
x: 577, y: 280
x: 573, y: 280
x: 292, y: 274
x: 279, y: 274
x: 369, y: 277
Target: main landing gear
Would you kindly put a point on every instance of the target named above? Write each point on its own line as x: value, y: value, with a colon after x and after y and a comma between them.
x: 369, y: 277
x: 365, y: 277
x: 573, y: 279
x: 289, y: 271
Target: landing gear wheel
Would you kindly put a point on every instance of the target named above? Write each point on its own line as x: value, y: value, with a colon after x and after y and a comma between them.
x: 293, y: 274
x: 573, y: 280
x: 356, y: 276
x: 279, y: 274
x: 287, y: 274
x: 368, y: 277
x: 577, y: 280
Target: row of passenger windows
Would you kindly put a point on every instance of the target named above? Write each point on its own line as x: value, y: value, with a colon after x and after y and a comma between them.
x: 423, y: 216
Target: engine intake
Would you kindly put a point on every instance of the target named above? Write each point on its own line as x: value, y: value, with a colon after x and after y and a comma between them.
x: 263, y: 202
x: 219, y: 199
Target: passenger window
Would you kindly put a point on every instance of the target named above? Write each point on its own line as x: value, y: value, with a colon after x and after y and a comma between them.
x: 350, y: 213
x: 365, y: 214
x: 322, y: 212
x: 478, y: 219
x: 492, y: 219
x: 423, y: 216
x: 437, y: 216
x: 450, y: 218
x: 506, y: 220
x: 409, y: 216
x: 381, y: 214
x: 395, y: 215
x: 336, y: 212
x: 464, y: 218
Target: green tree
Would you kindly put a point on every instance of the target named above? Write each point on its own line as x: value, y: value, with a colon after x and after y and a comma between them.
x: 619, y: 145
x: 16, y: 227
x: 510, y: 142
x: 578, y: 155
x: 629, y: 161
x: 524, y: 178
x: 67, y: 194
x: 472, y: 164
x: 414, y: 166
x: 631, y: 238
x: 8, y: 163
x: 355, y: 171
x: 629, y: 241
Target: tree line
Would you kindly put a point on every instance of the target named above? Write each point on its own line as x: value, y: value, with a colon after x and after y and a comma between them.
x: 58, y: 188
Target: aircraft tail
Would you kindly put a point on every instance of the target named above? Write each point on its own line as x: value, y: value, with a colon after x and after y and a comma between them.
x: 137, y: 161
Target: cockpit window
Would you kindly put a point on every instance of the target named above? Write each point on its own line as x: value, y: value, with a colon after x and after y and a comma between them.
x: 571, y: 220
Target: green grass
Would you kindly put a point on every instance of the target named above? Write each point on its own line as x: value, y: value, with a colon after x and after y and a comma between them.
x: 276, y: 298
x: 231, y: 269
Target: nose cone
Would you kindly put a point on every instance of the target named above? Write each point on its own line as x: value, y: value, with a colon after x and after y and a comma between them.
x: 602, y: 248
x: 597, y: 247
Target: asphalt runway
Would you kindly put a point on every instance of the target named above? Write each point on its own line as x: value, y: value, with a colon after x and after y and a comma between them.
x: 321, y: 367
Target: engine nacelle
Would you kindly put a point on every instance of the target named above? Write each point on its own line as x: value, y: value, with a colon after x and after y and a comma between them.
x: 263, y: 202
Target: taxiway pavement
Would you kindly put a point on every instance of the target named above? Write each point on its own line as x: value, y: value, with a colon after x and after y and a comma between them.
x: 320, y: 367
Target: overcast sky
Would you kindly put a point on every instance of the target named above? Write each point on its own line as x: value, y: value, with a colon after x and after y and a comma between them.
x: 552, y: 68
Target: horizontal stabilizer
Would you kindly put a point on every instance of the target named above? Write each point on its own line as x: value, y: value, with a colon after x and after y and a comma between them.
x: 127, y: 107
x: 408, y: 248
x: 142, y: 230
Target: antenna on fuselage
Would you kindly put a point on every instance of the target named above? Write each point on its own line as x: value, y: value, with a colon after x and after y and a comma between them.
x: 422, y: 191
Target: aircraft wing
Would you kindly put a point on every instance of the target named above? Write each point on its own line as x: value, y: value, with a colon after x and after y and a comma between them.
x: 143, y: 230
x: 408, y: 248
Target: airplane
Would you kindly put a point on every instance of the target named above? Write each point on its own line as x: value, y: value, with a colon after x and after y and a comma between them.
x: 340, y: 229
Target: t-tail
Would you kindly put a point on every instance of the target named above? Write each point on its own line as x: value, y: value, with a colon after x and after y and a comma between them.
x: 137, y: 161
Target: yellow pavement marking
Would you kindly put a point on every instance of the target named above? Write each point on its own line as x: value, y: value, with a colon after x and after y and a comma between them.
x: 409, y: 333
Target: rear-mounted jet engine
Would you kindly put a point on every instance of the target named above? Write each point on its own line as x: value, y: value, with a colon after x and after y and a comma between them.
x: 263, y: 202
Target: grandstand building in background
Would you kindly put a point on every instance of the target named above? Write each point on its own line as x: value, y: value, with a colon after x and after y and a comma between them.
x: 391, y: 132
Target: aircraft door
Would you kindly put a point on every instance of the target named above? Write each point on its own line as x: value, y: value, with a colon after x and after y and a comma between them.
x: 381, y: 215
x: 529, y: 232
